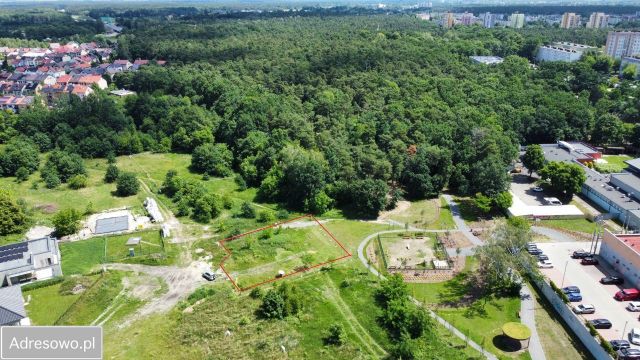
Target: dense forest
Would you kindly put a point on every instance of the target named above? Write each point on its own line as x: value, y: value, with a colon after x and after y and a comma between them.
x: 45, y: 24
x: 355, y: 111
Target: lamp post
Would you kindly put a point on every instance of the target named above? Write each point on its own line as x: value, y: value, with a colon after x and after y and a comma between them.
x: 564, y: 273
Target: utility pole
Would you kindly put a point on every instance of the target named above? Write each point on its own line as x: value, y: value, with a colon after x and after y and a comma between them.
x: 564, y: 273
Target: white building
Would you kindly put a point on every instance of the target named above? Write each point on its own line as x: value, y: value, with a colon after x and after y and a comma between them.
x: 488, y: 20
x: 562, y: 51
x: 570, y: 20
x: 598, y: 20
x: 516, y: 20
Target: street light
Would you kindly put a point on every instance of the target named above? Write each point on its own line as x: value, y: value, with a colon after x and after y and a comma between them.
x: 564, y: 273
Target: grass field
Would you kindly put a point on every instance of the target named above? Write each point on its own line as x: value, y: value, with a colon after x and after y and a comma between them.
x: 47, y: 304
x: 580, y: 225
x: 80, y: 257
x: 615, y: 163
x: 258, y: 257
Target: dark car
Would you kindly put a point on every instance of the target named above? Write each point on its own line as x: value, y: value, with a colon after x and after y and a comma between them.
x: 209, y: 275
x: 534, y: 251
x: 589, y: 261
x: 628, y: 354
x: 620, y: 344
x: 570, y: 289
x: 612, y: 280
x: 574, y: 297
x: 601, y: 323
x: 542, y: 257
x: 579, y: 254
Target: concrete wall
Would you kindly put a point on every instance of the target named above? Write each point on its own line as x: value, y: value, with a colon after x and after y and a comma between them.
x: 577, y: 326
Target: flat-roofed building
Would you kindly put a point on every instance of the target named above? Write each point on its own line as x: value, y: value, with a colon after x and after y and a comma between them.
x: 623, y: 43
x: 516, y: 21
x: 563, y: 51
x: 570, y: 20
x: 598, y: 20
x: 622, y: 252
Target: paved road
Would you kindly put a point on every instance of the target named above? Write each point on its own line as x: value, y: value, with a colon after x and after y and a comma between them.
x: 527, y: 317
x: 442, y: 321
x: 459, y: 221
x: 555, y: 235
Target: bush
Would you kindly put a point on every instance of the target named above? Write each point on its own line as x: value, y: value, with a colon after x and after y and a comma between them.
x: 66, y: 222
x: 280, y: 302
x: 112, y: 173
x: 334, y: 335
x: 12, y: 214
x: 247, y: 211
x: 592, y: 329
x: 43, y: 283
x: 127, y: 184
x: 256, y: 293
x: 201, y: 293
x: 282, y: 214
x: 22, y: 174
x: 78, y: 182
x: 606, y: 346
x: 266, y: 216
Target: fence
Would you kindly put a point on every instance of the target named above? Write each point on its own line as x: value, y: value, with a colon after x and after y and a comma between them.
x: 576, y: 325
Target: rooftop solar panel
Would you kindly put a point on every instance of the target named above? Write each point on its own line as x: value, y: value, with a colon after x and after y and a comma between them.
x: 10, y: 257
x: 17, y: 247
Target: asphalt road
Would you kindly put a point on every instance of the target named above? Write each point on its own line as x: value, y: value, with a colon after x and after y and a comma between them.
x: 587, y: 279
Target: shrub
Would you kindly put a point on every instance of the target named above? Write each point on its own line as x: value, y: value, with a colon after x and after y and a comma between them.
x: 282, y: 214
x: 111, y: 175
x: 127, y: 184
x: 22, y: 174
x: 201, y: 293
x: 66, y: 222
x: 78, y: 182
x: 606, y: 346
x: 266, y: 216
x: 592, y: 329
x: 43, y: 283
x: 334, y: 335
x: 247, y: 211
x: 256, y: 293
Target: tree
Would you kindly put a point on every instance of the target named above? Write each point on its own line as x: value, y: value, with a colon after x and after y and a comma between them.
x: 608, y: 130
x: 112, y: 173
x: 22, y: 174
x: 213, y: 159
x: 334, y: 335
x: 629, y: 72
x: 482, y: 203
x: 50, y: 177
x: 564, y: 179
x: 426, y: 172
x: 503, y: 201
x: 19, y: 153
x: 533, y: 158
x: 365, y: 198
x: 65, y: 164
x: 318, y: 204
x: 127, y: 184
x: 66, y: 222
x: 12, y: 216
x: 280, y: 302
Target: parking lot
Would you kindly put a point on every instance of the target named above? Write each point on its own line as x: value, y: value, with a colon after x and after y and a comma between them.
x: 522, y: 186
x: 587, y: 278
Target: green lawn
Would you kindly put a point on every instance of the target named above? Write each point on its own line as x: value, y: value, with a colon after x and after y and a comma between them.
x: 80, y: 257
x: 615, y: 163
x: 47, y: 304
x: 579, y: 225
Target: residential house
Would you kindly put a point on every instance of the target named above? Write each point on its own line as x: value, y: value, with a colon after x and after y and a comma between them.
x: 28, y: 261
x: 12, y: 311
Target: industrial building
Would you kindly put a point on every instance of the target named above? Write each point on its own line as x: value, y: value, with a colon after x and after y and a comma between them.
x: 622, y: 252
x: 563, y: 51
x: 618, y: 194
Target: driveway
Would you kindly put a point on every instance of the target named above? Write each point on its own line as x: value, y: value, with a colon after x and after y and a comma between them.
x: 522, y: 186
x: 587, y: 279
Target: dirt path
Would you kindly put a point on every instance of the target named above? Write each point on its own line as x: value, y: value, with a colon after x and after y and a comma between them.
x: 401, y: 207
x: 180, y: 283
x: 333, y: 294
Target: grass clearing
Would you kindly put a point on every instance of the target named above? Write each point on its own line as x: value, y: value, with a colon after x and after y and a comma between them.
x: 47, y: 304
x: 259, y: 256
x: 94, y: 300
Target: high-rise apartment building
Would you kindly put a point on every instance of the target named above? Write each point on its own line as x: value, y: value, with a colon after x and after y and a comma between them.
x: 488, y: 20
x: 598, y: 20
x: 467, y: 18
x: 623, y: 43
x: 570, y: 20
x: 448, y: 20
x: 517, y: 21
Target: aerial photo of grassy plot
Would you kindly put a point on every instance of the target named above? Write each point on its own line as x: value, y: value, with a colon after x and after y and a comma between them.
x: 277, y: 251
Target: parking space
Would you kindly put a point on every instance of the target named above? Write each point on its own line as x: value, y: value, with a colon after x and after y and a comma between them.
x: 587, y: 279
x: 522, y: 186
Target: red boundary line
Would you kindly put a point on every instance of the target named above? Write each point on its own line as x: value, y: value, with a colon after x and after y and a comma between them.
x: 228, y: 251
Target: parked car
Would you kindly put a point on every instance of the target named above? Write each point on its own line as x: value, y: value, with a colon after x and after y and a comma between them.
x: 208, y: 275
x: 627, y: 295
x: 612, y: 280
x: 570, y: 289
x: 620, y: 344
x: 545, y: 264
x: 589, y: 261
x: 633, y: 306
x: 574, y: 297
x: 580, y: 254
x: 628, y: 354
x: 601, y: 323
x: 537, y: 189
x: 534, y: 251
x: 542, y: 257
x: 584, y: 309
x: 634, y: 336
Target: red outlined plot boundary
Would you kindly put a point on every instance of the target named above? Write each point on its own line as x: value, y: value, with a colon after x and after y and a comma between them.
x: 228, y: 251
